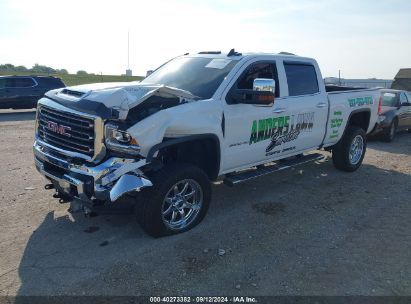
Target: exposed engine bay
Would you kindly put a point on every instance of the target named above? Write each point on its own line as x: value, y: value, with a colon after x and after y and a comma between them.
x: 151, y: 106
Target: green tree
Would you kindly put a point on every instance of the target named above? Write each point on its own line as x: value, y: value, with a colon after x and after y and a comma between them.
x: 61, y: 71
x: 81, y: 73
x: 6, y: 67
x: 21, y: 68
x: 37, y: 68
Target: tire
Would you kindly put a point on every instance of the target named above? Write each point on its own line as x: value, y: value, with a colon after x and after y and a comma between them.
x: 345, y: 156
x: 389, y: 135
x: 155, y: 213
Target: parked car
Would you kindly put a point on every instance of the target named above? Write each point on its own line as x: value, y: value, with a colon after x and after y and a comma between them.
x: 195, y: 119
x: 394, y: 114
x: 23, y: 92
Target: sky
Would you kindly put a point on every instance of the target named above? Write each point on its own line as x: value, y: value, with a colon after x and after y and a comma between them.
x: 362, y: 38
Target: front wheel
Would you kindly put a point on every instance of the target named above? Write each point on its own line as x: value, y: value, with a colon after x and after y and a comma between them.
x: 177, y: 201
x: 349, y: 153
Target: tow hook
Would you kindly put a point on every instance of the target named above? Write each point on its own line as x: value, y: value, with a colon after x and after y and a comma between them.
x: 77, y: 206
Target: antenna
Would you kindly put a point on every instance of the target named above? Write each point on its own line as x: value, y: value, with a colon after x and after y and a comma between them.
x: 233, y: 53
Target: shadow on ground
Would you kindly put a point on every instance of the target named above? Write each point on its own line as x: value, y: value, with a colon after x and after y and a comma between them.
x: 282, y: 235
x: 400, y: 145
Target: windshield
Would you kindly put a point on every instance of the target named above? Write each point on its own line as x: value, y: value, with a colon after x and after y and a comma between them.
x: 390, y: 100
x: 200, y: 76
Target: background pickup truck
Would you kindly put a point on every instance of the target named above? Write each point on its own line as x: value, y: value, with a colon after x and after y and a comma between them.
x: 195, y: 119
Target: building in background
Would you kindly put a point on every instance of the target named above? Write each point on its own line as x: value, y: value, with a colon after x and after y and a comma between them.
x: 364, y: 83
x: 402, y: 81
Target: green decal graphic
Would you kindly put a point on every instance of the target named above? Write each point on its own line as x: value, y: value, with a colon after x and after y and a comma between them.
x: 336, y: 122
x: 265, y: 128
x: 281, y: 129
x: 360, y: 101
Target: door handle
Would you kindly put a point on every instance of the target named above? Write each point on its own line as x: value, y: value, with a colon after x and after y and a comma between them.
x: 278, y: 110
x: 321, y: 105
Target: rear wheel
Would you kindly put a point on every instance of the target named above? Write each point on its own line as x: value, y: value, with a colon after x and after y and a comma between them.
x: 349, y: 153
x: 389, y: 135
x: 177, y: 201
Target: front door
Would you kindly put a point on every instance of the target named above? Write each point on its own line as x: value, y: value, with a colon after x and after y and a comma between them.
x: 245, y: 124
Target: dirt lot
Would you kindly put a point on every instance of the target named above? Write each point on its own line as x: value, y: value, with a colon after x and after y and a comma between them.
x: 308, y: 231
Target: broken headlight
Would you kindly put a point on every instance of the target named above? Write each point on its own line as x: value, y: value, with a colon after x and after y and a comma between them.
x: 120, y: 140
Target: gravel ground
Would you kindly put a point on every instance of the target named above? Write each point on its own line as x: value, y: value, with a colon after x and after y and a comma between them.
x: 308, y: 231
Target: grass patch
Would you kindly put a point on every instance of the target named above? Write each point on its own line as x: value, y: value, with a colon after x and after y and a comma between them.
x: 73, y: 79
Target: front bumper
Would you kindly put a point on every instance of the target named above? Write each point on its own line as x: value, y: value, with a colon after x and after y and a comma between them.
x: 107, y: 181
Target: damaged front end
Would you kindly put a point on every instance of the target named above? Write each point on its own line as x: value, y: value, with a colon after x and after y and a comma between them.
x: 82, y: 145
x: 87, y: 184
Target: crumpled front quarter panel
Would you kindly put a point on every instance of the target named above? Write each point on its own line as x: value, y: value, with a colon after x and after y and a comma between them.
x: 199, y: 117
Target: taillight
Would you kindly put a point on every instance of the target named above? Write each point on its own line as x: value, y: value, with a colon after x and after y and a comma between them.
x: 380, y: 105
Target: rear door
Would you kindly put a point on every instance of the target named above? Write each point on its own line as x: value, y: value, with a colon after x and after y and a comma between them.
x: 306, y: 109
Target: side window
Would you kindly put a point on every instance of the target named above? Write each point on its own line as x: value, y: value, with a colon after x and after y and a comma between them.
x: 301, y: 79
x: 403, y: 98
x: 259, y: 70
x: 6, y: 83
x: 390, y: 99
x: 23, y: 82
x: 408, y: 96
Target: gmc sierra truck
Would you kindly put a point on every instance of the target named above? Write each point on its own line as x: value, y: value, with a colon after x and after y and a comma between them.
x: 195, y: 119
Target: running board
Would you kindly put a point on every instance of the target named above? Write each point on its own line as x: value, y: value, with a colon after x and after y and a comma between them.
x: 237, y: 178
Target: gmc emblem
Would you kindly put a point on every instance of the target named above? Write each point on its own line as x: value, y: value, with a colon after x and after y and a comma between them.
x: 59, y: 129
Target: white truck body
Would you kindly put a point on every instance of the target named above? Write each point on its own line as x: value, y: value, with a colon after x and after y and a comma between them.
x: 247, y: 134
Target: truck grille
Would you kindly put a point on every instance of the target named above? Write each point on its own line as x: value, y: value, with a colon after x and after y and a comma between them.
x: 66, y: 130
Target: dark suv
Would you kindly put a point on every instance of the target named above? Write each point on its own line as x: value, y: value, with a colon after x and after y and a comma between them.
x: 23, y: 92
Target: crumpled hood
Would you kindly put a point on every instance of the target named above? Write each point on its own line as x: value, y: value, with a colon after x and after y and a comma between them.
x: 120, y: 96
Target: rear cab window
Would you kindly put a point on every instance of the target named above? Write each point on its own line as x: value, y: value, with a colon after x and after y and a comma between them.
x: 301, y: 78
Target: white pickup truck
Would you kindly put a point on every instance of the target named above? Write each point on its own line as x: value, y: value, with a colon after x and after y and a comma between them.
x: 195, y: 119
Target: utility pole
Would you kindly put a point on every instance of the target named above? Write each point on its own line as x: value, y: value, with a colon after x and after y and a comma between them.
x: 339, y: 77
x: 128, y: 50
x: 128, y: 71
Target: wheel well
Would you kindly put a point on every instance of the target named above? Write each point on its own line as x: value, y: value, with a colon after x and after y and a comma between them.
x: 203, y: 153
x: 360, y: 119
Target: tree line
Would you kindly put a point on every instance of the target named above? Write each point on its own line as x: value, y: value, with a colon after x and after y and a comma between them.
x: 37, y: 68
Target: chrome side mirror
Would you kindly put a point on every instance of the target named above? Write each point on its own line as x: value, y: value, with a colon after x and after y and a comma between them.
x: 264, y: 84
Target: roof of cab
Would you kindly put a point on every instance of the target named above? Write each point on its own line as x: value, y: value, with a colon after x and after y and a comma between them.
x: 238, y: 56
